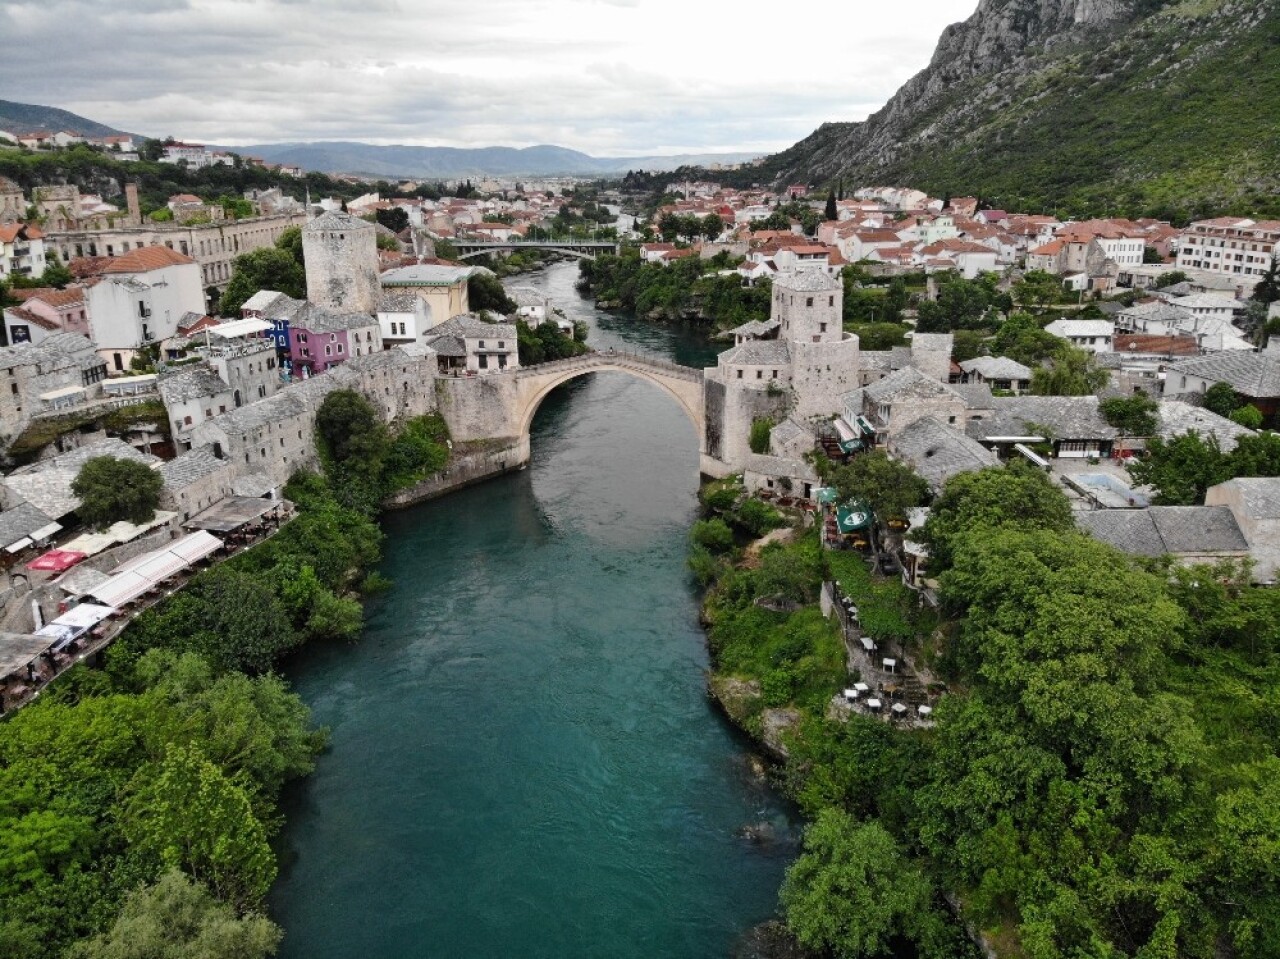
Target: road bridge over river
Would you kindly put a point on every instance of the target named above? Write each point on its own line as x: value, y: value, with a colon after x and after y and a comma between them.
x: 583, y: 249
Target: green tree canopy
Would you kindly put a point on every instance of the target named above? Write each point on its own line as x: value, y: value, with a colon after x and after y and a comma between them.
x: 1022, y: 338
x: 269, y: 268
x: 1181, y: 469
x: 1133, y: 415
x: 853, y: 893
x: 1221, y: 399
x: 890, y: 486
x: 111, y: 490
x: 178, y: 919
x: 1072, y: 372
x: 1016, y: 496
x: 486, y: 292
x: 185, y: 812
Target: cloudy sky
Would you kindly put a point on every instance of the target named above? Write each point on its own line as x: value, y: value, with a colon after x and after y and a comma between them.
x: 610, y: 77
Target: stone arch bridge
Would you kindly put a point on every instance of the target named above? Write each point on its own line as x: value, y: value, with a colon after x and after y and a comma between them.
x: 493, y: 405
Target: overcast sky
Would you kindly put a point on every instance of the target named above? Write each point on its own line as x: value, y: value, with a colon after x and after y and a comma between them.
x: 610, y: 77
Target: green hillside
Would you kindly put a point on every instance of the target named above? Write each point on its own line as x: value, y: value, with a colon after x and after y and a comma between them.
x: 1178, y: 116
x: 30, y: 117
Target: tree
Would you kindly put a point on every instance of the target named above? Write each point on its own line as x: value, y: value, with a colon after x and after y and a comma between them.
x: 1172, y: 278
x: 1267, y: 290
x: 486, y: 292
x: 1072, y: 373
x: 759, y: 438
x: 713, y: 535
x: 669, y: 227
x: 1248, y: 416
x: 1017, y: 496
x: 187, y: 814
x: 853, y: 891
x: 1255, y: 455
x: 350, y: 427
x: 1221, y: 399
x: 178, y: 919
x: 1022, y: 338
x: 291, y: 242
x: 1133, y: 415
x: 395, y: 219
x: 1181, y: 469
x: 712, y: 226
x: 269, y: 268
x: 830, y: 212
x: 151, y: 150
x: 890, y: 486
x: 111, y: 490
x: 1037, y: 289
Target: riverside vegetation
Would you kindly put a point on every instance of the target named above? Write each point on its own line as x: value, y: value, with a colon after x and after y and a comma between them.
x: 138, y: 800
x: 1101, y: 779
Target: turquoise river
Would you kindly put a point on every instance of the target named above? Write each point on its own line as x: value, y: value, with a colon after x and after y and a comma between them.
x: 524, y: 760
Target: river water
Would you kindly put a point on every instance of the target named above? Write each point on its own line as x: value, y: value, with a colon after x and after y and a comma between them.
x: 524, y: 762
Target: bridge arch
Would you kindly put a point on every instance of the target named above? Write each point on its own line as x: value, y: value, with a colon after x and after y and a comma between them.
x: 537, y: 382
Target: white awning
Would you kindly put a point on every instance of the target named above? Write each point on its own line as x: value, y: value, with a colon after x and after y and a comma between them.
x: 84, y: 616
x: 846, y: 432
x: 196, y: 546
x: 235, y: 328
x: 121, y: 589
x: 62, y: 394
x: 44, y: 532
x: 160, y: 566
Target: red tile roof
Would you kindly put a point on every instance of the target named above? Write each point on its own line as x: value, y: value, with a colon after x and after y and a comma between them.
x: 143, y: 260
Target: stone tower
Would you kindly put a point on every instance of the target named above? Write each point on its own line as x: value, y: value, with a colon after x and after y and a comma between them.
x: 341, y: 253
x: 808, y: 306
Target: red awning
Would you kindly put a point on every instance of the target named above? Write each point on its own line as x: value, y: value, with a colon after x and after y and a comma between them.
x: 57, y: 560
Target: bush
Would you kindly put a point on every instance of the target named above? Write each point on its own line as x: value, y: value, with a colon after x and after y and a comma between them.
x: 757, y: 518
x: 759, y: 440
x: 713, y: 535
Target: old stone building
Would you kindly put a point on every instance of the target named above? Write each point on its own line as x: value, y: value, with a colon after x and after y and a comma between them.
x: 341, y: 253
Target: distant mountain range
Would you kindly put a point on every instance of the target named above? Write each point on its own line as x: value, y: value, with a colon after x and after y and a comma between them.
x: 452, y: 162
x: 423, y: 163
x: 30, y: 117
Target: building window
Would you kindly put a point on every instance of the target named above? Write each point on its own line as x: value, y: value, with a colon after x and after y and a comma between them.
x: 808, y: 301
x: 739, y: 374
x: 759, y: 374
x: 328, y: 351
x: 822, y: 327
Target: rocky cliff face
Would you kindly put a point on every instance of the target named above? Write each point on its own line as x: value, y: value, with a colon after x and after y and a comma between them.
x: 1021, y: 79
x: 995, y: 38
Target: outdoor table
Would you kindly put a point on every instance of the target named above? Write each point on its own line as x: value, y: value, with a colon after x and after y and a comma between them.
x: 873, y: 704
x: 925, y: 710
x: 898, y: 708
x: 850, y: 694
x: 862, y: 687
x: 890, y: 665
x: 868, y: 643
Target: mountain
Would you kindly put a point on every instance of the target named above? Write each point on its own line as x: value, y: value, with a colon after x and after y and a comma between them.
x: 1085, y: 106
x: 30, y: 117
x: 452, y: 162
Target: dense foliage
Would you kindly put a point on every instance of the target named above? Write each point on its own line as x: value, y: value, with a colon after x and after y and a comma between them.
x: 173, y: 756
x: 688, y: 289
x: 1101, y: 779
x: 111, y: 489
x: 279, y: 268
x: 1183, y: 467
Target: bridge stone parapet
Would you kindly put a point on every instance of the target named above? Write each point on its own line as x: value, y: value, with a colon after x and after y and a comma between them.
x: 503, y: 404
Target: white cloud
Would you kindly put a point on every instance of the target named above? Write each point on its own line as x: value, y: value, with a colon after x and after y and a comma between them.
x: 605, y: 76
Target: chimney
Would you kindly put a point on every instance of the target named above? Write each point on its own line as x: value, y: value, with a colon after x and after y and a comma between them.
x: 131, y: 201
